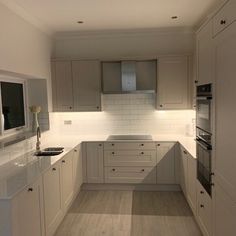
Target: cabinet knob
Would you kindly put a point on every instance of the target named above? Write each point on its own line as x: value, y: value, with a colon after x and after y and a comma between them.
x: 113, y: 169
x: 142, y: 144
x: 142, y: 170
x: 100, y: 144
x: 70, y: 108
x: 212, y: 184
x: 63, y: 161
x: 202, y: 206
x: 75, y: 150
x: 97, y: 107
x: 158, y: 144
x: 185, y: 152
x: 223, y: 22
x: 161, y: 105
x: 54, y: 169
x: 112, y: 144
x: 142, y: 153
x: 201, y: 192
x: 30, y: 189
x: 212, y: 174
x: 195, y: 81
x: 113, y: 153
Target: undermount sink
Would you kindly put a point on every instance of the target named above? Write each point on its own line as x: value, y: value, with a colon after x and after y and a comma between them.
x: 50, y: 151
x: 129, y: 137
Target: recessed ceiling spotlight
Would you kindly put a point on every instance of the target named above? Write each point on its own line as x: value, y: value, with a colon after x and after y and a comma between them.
x: 174, y: 17
x: 80, y: 22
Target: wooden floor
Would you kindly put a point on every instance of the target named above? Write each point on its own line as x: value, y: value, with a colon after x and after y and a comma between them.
x: 127, y: 213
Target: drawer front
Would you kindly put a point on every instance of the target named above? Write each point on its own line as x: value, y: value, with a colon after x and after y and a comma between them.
x: 129, y: 145
x: 224, y: 17
x: 130, y: 175
x: 130, y: 158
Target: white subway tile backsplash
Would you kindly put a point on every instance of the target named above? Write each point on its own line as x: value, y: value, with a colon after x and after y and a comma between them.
x: 125, y: 114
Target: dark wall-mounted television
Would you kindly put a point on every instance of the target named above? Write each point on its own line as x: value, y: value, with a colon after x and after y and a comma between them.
x: 13, y: 105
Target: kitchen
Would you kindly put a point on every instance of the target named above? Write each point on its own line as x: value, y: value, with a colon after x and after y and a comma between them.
x: 130, y: 127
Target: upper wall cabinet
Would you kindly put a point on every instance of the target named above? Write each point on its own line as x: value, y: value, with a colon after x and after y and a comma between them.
x: 86, y: 85
x: 62, y: 86
x: 144, y: 74
x: 76, y: 86
x: 205, y: 55
x: 173, y: 83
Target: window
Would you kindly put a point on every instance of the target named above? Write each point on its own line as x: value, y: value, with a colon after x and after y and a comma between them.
x: 12, y: 105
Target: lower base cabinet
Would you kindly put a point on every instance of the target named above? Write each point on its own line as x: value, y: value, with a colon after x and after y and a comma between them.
x: 52, y: 198
x: 204, y: 210
x: 77, y: 169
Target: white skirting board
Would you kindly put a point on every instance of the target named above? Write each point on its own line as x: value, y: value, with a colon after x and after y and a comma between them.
x: 132, y: 187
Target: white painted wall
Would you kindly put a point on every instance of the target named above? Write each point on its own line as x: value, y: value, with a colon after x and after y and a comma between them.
x: 24, y: 49
x: 126, y: 44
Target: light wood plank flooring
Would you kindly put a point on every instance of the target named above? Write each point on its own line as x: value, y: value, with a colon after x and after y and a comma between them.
x: 129, y: 213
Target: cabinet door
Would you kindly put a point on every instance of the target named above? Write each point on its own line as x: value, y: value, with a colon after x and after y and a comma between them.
x: 52, y: 199
x: 192, y: 178
x: 225, y: 161
x: 111, y: 77
x: 94, y: 158
x: 166, y: 163
x: 62, y: 86
x: 86, y: 85
x: 146, y: 75
x: 183, y: 170
x: 205, y: 55
x: 67, y: 179
x: 225, y: 213
x: 28, y: 211
x: 77, y: 169
x: 173, y: 83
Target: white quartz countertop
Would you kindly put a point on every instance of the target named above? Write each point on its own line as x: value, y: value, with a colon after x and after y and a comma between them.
x: 17, y: 174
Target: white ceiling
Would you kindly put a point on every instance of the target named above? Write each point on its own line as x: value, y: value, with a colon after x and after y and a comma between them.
x: 62, y: 15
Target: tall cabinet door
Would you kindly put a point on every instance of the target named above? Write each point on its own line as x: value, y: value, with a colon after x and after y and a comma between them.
x: 205, y: 55
x: 173, y: 83
x: 86, y: 85
x: 225, y: 161
x: 94, y: 158
x: 62, y: 86
x: 166, y: 163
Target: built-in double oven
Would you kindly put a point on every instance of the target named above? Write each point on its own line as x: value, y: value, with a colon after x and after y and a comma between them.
x: 204, y: 135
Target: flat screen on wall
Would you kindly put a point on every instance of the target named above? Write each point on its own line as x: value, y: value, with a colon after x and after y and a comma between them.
x: 12, y: 98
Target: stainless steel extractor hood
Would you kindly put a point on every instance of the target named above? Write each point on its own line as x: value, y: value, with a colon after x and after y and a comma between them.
x: 128, y: 76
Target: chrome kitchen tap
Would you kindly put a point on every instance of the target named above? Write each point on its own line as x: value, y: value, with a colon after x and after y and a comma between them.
x: 38, y: 139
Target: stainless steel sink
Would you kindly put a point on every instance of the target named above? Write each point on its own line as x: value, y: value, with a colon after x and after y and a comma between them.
x: 129, y: 137
x: 48, y: 153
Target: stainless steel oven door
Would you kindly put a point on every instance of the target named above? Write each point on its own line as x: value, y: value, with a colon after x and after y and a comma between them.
x: 204, y: 152
x: 203, y: 118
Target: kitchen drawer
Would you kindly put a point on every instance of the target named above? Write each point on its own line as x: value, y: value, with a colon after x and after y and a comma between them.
x: 130, y: 158
x: 130, y: 175
x: 224, y: 17
x: 204, y: 210
x: 129, y: 145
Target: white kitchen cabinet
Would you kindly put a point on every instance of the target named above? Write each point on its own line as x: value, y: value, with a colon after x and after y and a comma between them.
x: 94, y: 162
x: 77, y: 169
x: 52, y: 198
x: 224, y: 17
x: 192, y: 182
x: 224, y: 213
x: 173, y: 83
x: 183, y: 164
x: 25, y: 213
x: 67, y: 186
x: 130, y: 175
x: 111, y: 77
x: 130, y: 158
x: 204, y: 210
x: 205, y: 57
x: 225, y: 64
x: 86, y: 85
x: 165, y: 163
x: 62, y: 91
